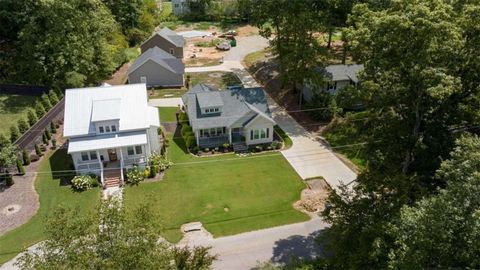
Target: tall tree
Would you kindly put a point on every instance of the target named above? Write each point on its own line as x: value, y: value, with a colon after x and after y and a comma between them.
x: 67, y: 43
x: 443, y: 231
x: 108, y: 239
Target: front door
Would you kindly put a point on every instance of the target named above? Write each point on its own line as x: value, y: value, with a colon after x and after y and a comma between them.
x: 112, y: 155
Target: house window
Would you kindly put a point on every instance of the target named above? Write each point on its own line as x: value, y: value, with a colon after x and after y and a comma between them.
x: 130, y: 151
x: 107, y: 129
x: 84, y: 156
x: 138, y: 149
x: 93, y: 155
x: 177, y: 6
x: 172, y: 51
x: 262, y: 133
x: 101, y: 129
x: 114, y: 128
x: 143, y: 79
x: 216, y: 110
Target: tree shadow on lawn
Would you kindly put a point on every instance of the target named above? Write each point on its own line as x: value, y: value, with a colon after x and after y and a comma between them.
x: 61, y: 165
x: 298, y: 247
x: 13, y: 104
x: 178, y: 140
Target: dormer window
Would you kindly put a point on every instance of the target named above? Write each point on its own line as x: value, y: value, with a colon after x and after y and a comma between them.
x: 212, y: 110
x: 107, y: 128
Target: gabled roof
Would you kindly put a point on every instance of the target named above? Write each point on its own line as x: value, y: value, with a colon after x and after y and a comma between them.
x: 342, y: 72
x: 240, y: 106
x: 82, y: 105
x: 171, y: 36
x: 160, y: 57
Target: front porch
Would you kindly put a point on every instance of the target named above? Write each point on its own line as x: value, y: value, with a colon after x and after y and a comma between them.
x: 216, y: 137
x: 110, y: 164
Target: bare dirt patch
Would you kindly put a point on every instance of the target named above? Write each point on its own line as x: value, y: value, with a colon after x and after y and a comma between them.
x: 313, y: 198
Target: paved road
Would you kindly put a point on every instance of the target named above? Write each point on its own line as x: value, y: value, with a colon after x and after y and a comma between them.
x: 277, y: 244
x: 34, y: 134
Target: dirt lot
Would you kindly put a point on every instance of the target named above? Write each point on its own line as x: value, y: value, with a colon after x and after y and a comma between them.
x: 201, y: 51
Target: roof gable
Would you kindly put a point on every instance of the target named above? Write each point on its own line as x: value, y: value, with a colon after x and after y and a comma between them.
x: 161, y: 58
x: 106, y: 109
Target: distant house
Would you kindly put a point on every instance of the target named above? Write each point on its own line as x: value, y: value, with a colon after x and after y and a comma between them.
x: 236, y: 116
x: 336, y: 78
x: 180, y: 7
x: 155, y: 67
x: 166, y: 40
x: 110, y: 128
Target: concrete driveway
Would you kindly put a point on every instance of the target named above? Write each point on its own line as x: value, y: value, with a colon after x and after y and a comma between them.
x: 246, y: 45
x: 277, y: 244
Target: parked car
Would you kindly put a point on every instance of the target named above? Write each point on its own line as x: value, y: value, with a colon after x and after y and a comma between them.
x: 224, y: 46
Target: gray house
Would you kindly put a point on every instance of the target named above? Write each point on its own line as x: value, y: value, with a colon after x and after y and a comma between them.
x: 166, y: 40
x: 236, y: 116
x: 180, y: 7
x: 155, y: 67
x: 336, y: 77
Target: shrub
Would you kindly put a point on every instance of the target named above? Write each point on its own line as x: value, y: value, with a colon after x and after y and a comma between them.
x: 22, y: 125
x: 37, y: 150
x: 153, y: 171
x: 14, y: 134
x: 226, y: 145
x: 8, y: 178
x: 48, y: 134
x: 82, y: 182
x: 135, y: 176
x: 183, y: 118
x: 34, y: 158
x: 25, y: 157
x: 53, y: 129
x: 39, y: 109
x: 276, y: 145
x: 258, y: 148
x: 188, y: 134
x: 93, y: 180
x: 324, y: 100
x: 44, y: 139
x: 46, y: 102
x: 146, y: 172
x: 59, y: 93
x: 43, y: 147
x: 54, y: 143
x: 53, y: 97
x: 186, y: 128
x: 190, y: 142
x: 20, y: 168
x: 32, y: 117
x: 3, y: 141
x: 195, y: 149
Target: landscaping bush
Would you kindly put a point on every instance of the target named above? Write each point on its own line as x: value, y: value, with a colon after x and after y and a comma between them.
x: 37, y: 150
x: 48, y: 134
x: 82, y: 182
x: 190, y: 142
x: 3, y: 141
x: 160, y: 162
x: 94, y: 180
x: 195, y: 149
x: 20, y: 168
x: 54, y: 143
x: 183, y: 118
x: 44, y: 147
x: 34, y: 158
x: 153, y: 171
x: 258, y: 148
x: 146, y: 172
x: 44, y: 139
x: 53, y: 129
x: 14, y: 134
x: 25, y: 157
x: 39, y: 109
x: 7, y: 176
x: 22, y: 125
x: 276, y: 145
x: 32, y: 117
x: 135, y: 176
x: 186, y: 128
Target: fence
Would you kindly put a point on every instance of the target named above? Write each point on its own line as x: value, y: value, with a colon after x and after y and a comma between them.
x: 26, y: 90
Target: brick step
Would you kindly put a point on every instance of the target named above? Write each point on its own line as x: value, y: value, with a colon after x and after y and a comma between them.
x: 111, y: 182
x: 240, y: 147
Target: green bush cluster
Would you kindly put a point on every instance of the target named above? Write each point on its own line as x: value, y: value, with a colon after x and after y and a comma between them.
x: 135, y: 176
x: 188, y: 135
x: 84, y: 182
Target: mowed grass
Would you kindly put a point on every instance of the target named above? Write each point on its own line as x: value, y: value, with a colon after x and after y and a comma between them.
x: 12, y: 108
x: 52, y: 195
x: 228, y: 194
x: 167, y: 114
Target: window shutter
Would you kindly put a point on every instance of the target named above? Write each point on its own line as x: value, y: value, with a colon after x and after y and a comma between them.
x: 268, y: 133
x: 251, y: 134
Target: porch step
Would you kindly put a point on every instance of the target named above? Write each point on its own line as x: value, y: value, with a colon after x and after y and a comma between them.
x: 111, y: 182
x: 240, y: 147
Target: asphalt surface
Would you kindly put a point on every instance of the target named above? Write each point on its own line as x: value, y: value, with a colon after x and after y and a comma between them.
x: 34, y: 134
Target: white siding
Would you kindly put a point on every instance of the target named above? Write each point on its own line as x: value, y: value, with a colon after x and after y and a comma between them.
x: 259, y: 123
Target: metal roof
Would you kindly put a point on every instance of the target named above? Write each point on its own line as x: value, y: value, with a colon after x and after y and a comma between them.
x: 342, y: 72
x: 107, y: 109
x: 107, y: 141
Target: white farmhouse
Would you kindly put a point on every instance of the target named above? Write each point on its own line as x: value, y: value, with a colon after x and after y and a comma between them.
x: 109, y: 129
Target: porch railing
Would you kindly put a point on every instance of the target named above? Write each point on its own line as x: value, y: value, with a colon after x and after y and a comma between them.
x: 213, y: 141
x: 89, y: 167
x: 135, y: 160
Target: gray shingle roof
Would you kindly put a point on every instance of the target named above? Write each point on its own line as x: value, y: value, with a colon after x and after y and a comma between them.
x: 160, y: 57
x: 342, y: 72
x: 239, y: 106
x: 171, y: 36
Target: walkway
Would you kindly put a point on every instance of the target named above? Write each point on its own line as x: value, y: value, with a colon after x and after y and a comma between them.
x: 277, y: 244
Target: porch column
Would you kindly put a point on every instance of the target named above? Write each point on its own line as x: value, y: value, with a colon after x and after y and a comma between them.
x: 229, y: 130
x: 197, y: 136
x: 121, y: 167
x: 101, y: 165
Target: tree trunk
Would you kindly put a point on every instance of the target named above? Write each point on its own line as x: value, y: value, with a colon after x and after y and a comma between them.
x: 415, y: 134
x: 330, y: 34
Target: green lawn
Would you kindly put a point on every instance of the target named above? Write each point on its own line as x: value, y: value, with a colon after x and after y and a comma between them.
x: 228, y: 194
x: 52, y: 194
x: 286, y: 140
x: 12, y: 108
x: 167, y: 114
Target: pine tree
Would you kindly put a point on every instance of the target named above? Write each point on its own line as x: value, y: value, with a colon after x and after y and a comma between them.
x: 39, y: 109
x: 25, y: 157
x: 14, y: 133
x: 53, y: 129
x: 53, y: 97
x: 20, y: 168
x: 48, y: 134
x: 46, y: 102
x: 44, y: 138
x: 37, y: 150
x: 22, y: 125
x: 3, y: 141
x: 32, y: 117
